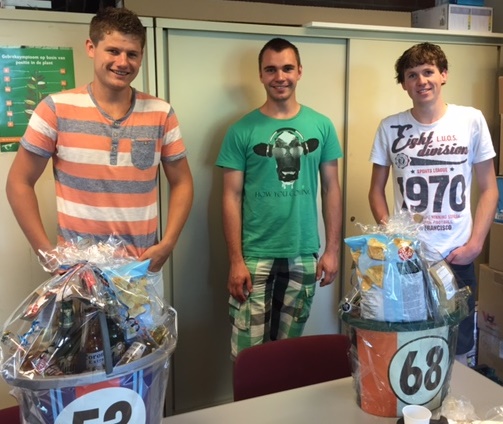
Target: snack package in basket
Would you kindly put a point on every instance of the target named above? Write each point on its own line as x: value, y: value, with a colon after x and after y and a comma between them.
x: 97, y: 322
x: 398, y: 279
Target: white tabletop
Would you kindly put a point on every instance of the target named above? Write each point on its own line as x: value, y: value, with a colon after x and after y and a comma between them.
x: 333, y: 402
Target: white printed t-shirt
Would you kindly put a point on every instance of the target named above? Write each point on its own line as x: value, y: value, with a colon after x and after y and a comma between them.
x: 432, y: 169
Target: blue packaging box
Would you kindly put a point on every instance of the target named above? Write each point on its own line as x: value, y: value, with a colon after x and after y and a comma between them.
x: 499, y: 209
x: 460, y: 2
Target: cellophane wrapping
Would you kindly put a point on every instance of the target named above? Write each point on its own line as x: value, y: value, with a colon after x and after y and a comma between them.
x: 96, y: 322
x: 402, y: 311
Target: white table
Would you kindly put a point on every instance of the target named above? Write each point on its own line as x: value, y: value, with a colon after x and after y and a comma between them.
x: 332, y: 402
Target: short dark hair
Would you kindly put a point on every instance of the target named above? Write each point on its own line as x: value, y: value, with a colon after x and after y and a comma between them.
x: 117, y: 19
x: 420, y: 54
x: 278, y: 45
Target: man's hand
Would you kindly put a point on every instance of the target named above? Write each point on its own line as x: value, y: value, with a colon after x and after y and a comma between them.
x: 327, y: 269
x: 158, y: 255
x: 463, y: 255
x: 239, y: 282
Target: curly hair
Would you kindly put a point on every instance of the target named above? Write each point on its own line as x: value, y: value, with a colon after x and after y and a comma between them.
x: 117, y: 19
x: 420, y: 54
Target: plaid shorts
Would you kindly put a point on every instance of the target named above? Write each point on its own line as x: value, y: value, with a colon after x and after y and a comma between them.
x: 279, y: 306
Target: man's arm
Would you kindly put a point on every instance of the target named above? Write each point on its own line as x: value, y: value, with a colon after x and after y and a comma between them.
x: 25, y: 171
x: 181, y: 193
x: 484, y: 214
x: 377, y: 193
x: 239, y: 277
x: 331, y: 199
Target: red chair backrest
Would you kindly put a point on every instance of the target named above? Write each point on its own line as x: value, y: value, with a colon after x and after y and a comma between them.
x: 10, y: 415
x: 289, y: 363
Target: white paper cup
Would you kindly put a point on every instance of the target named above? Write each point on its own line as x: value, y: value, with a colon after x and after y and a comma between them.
x: 416, y: 414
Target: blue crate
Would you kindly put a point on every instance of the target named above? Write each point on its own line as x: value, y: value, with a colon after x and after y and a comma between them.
x: 499, y: 210
x: 461, y: 2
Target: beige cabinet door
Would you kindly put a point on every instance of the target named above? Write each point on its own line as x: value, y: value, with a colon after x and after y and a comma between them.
x: 374, y: 94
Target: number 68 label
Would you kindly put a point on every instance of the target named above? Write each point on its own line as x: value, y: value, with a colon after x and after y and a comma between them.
x: 114, y: 405
x: 418, y: 369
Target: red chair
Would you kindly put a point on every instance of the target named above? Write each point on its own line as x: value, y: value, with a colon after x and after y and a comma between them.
x: 10, y: 415
x: 289, y: 363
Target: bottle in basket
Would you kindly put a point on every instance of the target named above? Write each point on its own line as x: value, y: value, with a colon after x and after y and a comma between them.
x: 93, y: 344
x: 117, y: 342
x: 42, y: 363
x: 134, y: 352
x: 67, y: 341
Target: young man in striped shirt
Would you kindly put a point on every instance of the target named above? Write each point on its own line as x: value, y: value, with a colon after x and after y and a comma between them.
x: 106, y: 141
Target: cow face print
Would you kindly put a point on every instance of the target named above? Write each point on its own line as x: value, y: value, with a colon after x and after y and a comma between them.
x: 287, y: 145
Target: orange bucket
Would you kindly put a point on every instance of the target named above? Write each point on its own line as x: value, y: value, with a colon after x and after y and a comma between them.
x: 398, y: 364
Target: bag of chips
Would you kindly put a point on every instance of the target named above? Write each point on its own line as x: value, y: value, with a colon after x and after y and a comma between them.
x: 398, y: 279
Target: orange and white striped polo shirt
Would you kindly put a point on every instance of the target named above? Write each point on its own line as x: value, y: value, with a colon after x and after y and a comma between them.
x: 106, y: 170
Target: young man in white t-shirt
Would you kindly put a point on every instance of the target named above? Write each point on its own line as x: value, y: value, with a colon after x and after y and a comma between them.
x: 432, y: 150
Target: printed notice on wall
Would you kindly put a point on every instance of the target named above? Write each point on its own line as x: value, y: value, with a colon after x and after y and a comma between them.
x: 28, y: 74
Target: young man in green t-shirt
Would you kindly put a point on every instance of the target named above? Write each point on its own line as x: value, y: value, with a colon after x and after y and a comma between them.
x: 272, y: 159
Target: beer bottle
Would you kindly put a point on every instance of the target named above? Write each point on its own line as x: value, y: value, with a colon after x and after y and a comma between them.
x: 67, y: 343
x: 117, y: 342
x: 160, y: 334
x: 93, y: 344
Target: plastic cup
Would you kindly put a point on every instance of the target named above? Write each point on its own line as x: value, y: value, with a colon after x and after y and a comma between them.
x: 416, y: 414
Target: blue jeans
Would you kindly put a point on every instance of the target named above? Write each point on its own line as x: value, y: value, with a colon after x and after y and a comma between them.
x: 465, y: 276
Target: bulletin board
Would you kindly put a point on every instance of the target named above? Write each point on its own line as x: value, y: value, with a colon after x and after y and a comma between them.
x: 28, y: 75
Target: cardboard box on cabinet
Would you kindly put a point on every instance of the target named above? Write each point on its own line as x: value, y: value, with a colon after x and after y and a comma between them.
x: 496, y: 247
x: 25, y: 4
x: 490, y: 299
x: 490, y: 352
x: 454, y: 17
x: 490, y: 319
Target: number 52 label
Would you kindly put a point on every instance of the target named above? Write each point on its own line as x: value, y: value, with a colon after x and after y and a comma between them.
x: 114, y: 405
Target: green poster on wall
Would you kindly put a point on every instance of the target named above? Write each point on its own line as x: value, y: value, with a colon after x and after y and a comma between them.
x: 28, y: 74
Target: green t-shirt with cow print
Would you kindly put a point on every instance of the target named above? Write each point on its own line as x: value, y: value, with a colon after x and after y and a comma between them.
x: 280, y: 159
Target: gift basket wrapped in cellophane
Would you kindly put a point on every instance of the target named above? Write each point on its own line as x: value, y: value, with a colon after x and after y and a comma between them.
x: 93, y: 342
x: 402, y: 310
